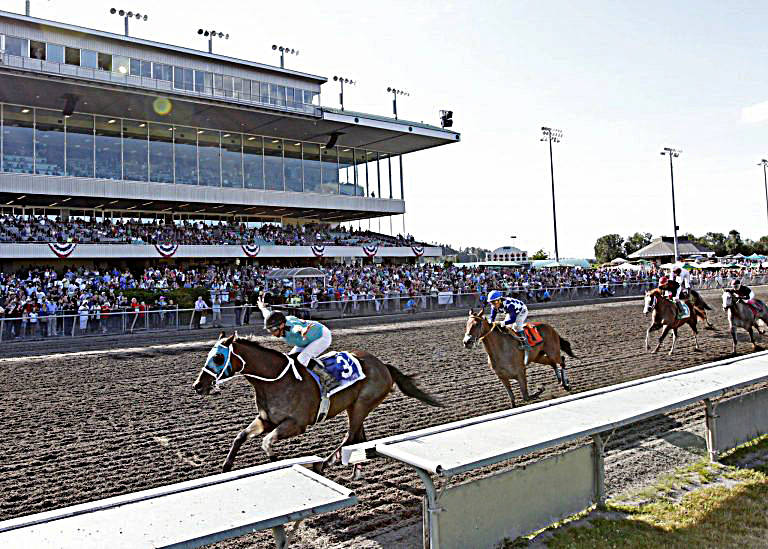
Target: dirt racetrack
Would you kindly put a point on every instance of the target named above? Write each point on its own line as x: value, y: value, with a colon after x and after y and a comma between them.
x: 84, y: 427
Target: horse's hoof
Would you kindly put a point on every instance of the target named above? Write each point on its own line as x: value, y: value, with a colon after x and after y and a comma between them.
x: 357, y: 472
x: 272, y: 459
x: 226, y: 468
x: 318, y: 468
x: 698, y: 350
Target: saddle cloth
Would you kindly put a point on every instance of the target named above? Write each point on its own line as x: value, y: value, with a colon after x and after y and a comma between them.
x: 532, y: 333
x: 343, y: 366
x: 683, y: 311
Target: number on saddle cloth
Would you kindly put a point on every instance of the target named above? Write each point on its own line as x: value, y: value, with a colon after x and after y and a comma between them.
x: 343, y: 366
x: 532, y: 333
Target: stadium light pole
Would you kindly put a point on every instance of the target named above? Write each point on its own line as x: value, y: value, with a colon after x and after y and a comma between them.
x: 764, y: 163
x: 395, y: 93
x: 127, y: 15
x: 341, y: 80
x: 552, y: 134
x: 283, y: 50
x: 673, y: 153
x: 210, y: 34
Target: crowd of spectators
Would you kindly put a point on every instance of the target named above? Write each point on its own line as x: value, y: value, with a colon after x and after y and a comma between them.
x: 39, y: 229
x: 35, y: 301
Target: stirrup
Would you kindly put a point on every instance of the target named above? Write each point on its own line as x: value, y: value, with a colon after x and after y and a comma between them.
x: 325, y: 404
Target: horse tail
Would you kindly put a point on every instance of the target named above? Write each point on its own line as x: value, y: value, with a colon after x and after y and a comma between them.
x: 565, y: 345
x: 698, y: 301
x: 406, y: 384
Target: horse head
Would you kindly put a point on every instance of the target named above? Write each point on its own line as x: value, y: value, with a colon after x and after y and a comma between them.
x: 475, y: 328
x: 218, y: 365
x: 727, y: 300
x: 651, y: 297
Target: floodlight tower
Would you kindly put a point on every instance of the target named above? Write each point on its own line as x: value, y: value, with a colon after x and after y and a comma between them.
x: 552, y: 135
x: 395, y: 93
x: 673, y: 153
x: 127, y: 15
x: 764, y: 163
x: 210, y: 34
x: 283, y: 50
x: 342, y: 80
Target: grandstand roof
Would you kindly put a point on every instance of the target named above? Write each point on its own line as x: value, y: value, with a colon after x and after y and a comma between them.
x: 664, y: 247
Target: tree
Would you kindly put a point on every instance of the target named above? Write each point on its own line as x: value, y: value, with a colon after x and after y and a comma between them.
x: 636, y: 242
x: 608, y: 247
x: 541, y: 254
x: 733, y: 244
x: 715, y: 242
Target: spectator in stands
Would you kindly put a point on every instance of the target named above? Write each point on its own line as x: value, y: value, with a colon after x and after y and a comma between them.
x: 201, y: 307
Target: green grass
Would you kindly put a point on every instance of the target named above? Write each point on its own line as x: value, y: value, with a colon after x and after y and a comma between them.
x: 711, y: 505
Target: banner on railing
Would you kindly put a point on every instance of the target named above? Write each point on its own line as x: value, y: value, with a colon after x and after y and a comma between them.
x: 62, y: 250
x: 371, y: 250
x: 318, y: 250
x: 251, y: 250
x: 166, y: 250
x: 418, y: 251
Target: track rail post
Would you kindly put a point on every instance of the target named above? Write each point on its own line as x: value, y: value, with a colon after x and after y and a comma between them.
x: 431, y: 532
x: 598, y: 448
x: 711, y: 422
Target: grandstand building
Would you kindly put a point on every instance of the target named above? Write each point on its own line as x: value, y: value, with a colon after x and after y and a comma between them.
x: 110, y: 126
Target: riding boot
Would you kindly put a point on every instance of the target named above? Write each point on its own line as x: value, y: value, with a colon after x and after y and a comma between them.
x: 327, y: 381
x: 524, y: 345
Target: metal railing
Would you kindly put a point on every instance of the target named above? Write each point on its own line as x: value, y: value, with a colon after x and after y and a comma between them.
x: 91, y: 323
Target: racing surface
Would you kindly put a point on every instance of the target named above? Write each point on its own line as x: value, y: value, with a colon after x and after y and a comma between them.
x: 81, y: 427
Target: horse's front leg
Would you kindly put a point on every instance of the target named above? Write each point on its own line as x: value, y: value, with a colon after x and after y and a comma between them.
x: 508, y: 387
x: 651, y: 328
x: 674, y: 340
x: 661, y: 338
x: 733, y: 338
x: 256, y: 427
x: 287, y: 428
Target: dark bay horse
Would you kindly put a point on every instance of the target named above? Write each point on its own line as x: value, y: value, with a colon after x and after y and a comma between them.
x: 741, y: 315
x: 700, y: 307
x: 507, y: 360
x: 664, y: 314
x: 288, y: 398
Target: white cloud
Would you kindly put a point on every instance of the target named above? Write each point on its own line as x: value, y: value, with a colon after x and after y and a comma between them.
x: 755, y: 113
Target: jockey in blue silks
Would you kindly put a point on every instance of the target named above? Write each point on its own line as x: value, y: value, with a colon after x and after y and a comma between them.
x: 309, y: 339
x: 516, y: 314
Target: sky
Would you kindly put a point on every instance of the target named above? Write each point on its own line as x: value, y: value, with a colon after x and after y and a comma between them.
x: 621, y: 79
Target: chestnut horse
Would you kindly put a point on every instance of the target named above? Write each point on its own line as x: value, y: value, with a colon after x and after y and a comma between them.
x: 507, y: 359
x: 288, y: 398
x: 665, y: 315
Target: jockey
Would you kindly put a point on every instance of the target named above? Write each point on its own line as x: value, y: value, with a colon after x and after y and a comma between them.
x: 682, y: 277
x: 309, y: 339
x: 516, y: 314
x: 670, y: 288
x: 745, y: 293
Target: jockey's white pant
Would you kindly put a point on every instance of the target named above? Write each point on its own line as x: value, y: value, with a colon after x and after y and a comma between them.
x: 314, y: 349
x: 519, y: 320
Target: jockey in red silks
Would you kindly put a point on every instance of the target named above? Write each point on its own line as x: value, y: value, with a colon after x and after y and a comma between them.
x: 517, y: 313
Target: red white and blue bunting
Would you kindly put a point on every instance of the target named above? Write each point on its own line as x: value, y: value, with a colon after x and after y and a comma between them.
x: 371, y: 251
x: 62, y: 250
x: 318, y: 250
x: 418, y: 251
x: 166, y: 250
x: 251, y: 250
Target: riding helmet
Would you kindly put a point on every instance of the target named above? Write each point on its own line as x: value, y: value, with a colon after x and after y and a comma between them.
x: 736, y: 283
x: 663, y: 280
x: 494, y: 295
x: 274, y: 320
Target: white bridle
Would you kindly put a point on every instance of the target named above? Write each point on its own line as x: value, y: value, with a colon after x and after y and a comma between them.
x: 229, y: 353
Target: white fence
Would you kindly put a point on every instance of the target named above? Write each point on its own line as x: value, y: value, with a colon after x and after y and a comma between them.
x: 482, y: 512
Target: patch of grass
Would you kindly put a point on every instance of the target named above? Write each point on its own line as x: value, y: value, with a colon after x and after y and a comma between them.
x: 732, y: 457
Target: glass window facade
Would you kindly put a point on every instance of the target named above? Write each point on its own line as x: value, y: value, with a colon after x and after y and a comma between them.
x: 49, y: 142
x: 18, y: 139
x: 80, y: 140
x: 185, y: 154
x: 161, y: 153
x: 109, y: 153
x: 44, y: 142
x: 135, y: 151
x: 183, y: 78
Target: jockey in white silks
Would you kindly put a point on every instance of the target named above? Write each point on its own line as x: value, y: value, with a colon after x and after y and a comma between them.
x: 516, y: 315
x: 682, y: 277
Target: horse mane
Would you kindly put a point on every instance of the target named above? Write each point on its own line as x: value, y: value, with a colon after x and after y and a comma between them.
x: 254, y: 344
x: 655, y: 291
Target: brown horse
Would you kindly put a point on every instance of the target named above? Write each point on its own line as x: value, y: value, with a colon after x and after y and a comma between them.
x: 288, y: 398
x: 507, y: 359
x: 665, y: 315
x: 700, y: 307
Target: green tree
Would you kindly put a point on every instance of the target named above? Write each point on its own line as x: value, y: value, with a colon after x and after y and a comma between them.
x: 734, y: 244
x: 636, y: 242
x: 761, y: 246
x: 541, y: 254
x: 608, y: 247
x: 715, y: 242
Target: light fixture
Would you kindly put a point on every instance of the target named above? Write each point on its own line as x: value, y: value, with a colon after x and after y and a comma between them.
x: 395, y: 92
x: 251, y: 138
x: 283, y: 51
x: 67, y: 199
x: 126, y: 16
x: 210, y: 35
x: 142, y: 125
x: 275, y: 141
x: 343, y: 80
x: 24, y: 111
x: 199, y: 131
x: 225, y: 135
x: 111, y: 121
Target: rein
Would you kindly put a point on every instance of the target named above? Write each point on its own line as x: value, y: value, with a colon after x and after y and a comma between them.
x: 291, y: 366
x: 486, y: 334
